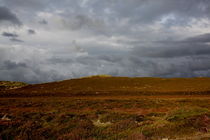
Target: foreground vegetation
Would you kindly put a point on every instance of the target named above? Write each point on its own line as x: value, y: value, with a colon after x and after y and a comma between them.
x: 110, y: 118
x: 106, y: 108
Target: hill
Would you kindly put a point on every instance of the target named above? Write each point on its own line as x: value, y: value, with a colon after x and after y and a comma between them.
x: 105, y: 85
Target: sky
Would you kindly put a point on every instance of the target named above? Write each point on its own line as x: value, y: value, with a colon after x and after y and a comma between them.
x: 50, y: 40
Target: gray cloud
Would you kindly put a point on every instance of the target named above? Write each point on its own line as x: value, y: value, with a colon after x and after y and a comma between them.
x: 174, y: 49
x: 116, y: 37
x: 83, y: 22
x: 31, y: 32
x: 16, y: 40
x: 135, y: 11
x: 7, y: 34
x: 13, y: 36
x: 44, y: 22
x: 147, y: 11
x: 29, y: 4
x: 193, y: 46
x: 46, y: 67
x: 184, y: 58
x: 205, y: 38
x: 8, y: 64
x: 7, y: 15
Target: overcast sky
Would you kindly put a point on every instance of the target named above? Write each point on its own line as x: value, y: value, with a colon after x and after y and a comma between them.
x: 49, y: 40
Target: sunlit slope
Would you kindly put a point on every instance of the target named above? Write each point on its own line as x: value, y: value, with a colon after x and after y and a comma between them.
x: 6, y: 85
x: 98, y: 85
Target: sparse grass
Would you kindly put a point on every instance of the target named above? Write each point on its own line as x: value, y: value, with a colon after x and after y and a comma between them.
x: 5, y: 85
x: 184, y: 113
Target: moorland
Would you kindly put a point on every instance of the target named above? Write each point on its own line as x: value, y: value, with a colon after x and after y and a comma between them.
x: 106, y: 108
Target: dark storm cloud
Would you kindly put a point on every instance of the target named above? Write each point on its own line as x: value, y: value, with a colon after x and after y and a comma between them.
x: 7, y: 34
x: 174, y: 49
x: 48, y: 67
x: 185, y: 58
x: 193, y: 46
x: 205, y: 38
x: 20, y: 71
x: 118, y: 37
x: 14, y: 69
x: 7, y: 15
x: 8, y: 64
x: 30, y: 31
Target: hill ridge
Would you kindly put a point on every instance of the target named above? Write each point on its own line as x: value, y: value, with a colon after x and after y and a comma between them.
x: 97, y: 85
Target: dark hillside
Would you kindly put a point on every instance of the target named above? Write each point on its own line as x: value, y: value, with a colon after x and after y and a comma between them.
x: 98, y: 85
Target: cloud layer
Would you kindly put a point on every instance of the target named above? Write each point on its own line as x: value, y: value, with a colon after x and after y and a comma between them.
x: 70, y: 39
x: 7, y: 15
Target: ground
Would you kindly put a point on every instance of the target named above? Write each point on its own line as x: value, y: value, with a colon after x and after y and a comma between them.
x: 106, y: 108
x: 105, y: 117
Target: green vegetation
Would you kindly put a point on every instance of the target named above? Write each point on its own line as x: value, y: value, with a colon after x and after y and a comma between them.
x: 5, y: 85
x: 186, y: 113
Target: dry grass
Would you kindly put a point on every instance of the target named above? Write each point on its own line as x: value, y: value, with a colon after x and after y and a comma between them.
x: 73, y: 118
x: 107, y: 108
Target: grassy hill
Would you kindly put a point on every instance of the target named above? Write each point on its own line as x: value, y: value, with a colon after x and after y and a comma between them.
x: 105, y: 85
